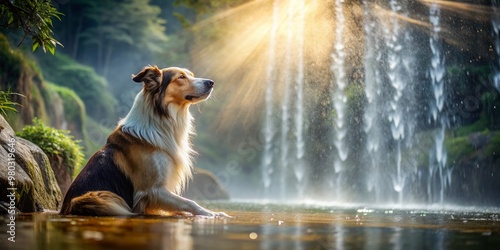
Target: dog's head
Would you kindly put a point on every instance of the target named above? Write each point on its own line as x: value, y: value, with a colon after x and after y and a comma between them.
x: 173, y: 86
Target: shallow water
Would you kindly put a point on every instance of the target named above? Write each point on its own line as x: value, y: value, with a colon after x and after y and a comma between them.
x: 266, y: 226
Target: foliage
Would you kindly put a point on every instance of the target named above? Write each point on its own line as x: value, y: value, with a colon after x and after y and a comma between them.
x: 5, y: 102
x: 83, y: 80
x: 134, y: 26
x: 34, y: 17
x: 55, y: 142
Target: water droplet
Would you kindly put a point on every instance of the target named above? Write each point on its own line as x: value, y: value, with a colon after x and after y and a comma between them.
x: 253, y: 235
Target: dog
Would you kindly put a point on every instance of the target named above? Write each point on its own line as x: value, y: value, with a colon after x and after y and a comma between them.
x: 146, y: 161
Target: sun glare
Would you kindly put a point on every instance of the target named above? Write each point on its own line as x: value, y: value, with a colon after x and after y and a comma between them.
x: 234, y: 46
x: 238, y: 56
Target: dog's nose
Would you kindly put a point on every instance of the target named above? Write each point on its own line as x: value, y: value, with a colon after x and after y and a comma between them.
x: 209, y: 83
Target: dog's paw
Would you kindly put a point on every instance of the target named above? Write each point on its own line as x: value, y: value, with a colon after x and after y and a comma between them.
x: 211, y: 214
x: 221, y: 215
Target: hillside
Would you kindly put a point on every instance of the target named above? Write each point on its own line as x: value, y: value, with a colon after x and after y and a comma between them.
x: 47, y: 88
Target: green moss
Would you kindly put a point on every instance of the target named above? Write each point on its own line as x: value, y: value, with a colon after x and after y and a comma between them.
x: 55, y: 142
x: 479, y: 125
x: 458, y: 148
x: 74, y: 108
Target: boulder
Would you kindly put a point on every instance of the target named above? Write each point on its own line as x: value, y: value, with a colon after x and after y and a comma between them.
x: 205, y: 186
x: 35, y: 185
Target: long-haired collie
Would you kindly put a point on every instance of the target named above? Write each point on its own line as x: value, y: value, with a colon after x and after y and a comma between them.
x: 146, y: 161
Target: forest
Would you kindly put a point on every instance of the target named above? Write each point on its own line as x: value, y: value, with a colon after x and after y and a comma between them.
x: 75, y: 74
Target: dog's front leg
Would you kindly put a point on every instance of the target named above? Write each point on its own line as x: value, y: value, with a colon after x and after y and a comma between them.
x: 163, y: 199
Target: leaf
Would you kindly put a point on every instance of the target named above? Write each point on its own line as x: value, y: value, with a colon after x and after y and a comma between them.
x: 11, y: 19
x: 51, y: 48
x: 35, y: 46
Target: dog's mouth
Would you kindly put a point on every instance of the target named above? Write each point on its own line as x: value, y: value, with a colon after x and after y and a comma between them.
x: 198, y: 97
x: 191, y: 97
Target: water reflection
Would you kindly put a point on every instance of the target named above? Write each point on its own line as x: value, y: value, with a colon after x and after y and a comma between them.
x: 265, y: 227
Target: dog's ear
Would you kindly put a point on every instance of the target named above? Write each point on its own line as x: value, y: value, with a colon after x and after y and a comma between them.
x: 147, y: 75
x: 166, y: 78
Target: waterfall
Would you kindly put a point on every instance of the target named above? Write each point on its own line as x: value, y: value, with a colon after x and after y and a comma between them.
x: 394, y: 151
x: 398, y: 81
x: 339, y: 98
x: 285, y: 105
x: 437, y: 72
x: 496, y: 35
x: 373, y: 85
x: 267, y: 167
x: 284, y: 130
x: 299, y: 168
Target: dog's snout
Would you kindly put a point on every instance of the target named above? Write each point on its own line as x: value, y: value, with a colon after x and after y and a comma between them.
x: 209, y: 83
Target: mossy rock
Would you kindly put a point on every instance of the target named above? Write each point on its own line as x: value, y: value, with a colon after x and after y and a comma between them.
x: 35, y: 183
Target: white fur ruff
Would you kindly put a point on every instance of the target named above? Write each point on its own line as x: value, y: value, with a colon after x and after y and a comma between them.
x: 170, y: 136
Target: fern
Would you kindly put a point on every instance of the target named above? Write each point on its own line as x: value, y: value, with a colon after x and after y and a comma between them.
x: 6, y: 103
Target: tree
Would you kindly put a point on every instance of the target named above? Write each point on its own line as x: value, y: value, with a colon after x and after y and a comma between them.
x: 134, y: 23
x: 34, y: 17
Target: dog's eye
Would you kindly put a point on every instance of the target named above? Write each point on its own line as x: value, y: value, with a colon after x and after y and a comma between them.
x: 182, y: 76
x: 150, y: 75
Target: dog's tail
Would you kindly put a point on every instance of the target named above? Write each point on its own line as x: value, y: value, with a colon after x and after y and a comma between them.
x: 98, y: 203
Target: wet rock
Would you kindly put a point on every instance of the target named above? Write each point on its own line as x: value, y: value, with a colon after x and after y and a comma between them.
x: 205, y: 186
x: 61, y: 172
x: 36, y: 188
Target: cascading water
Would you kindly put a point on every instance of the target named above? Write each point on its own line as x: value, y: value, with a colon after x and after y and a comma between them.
x: 339, y: 98
x: 285, y: 107
x: 437, y: 73
x: 496, y: 35
x: 384, y: 79
x: 374, y: 98
x: 398, y: 83
x: 291, y: 148
x: 299, y: 167
x: 268, y: 128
